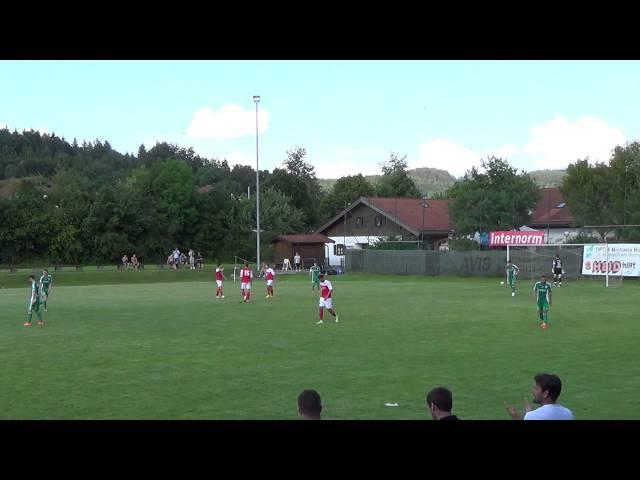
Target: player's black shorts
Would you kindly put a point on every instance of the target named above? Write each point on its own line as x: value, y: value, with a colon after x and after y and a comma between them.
x: 557, y: 271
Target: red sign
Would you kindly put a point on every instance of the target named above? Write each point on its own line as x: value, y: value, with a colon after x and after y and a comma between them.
x: 602, y: 267
x: 502, y: 239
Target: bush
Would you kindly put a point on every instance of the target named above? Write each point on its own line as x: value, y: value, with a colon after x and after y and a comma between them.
x: 585, y: 238
x: 463, y: 245
x: 395, y: 246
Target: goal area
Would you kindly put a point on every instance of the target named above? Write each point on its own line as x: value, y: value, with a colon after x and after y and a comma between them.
x: 533, y: 261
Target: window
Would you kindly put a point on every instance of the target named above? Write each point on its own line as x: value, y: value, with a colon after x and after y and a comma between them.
x: 359, y: 222
x: 338, y: 249
x: 379, y: 220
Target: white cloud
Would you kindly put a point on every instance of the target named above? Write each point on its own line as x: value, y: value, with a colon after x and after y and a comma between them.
x: 343, y: 168
x: 446, y: 155
x: 553, y: 144
x: 344, y: 160
x: 559, y: 142
x: 231, y: 121
x: 506, y: 151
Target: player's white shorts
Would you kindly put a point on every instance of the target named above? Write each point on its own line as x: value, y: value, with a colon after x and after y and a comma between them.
x: 245, y: 286
x: 269, y: 283
x: 219, y: 283
x: 326, y: 302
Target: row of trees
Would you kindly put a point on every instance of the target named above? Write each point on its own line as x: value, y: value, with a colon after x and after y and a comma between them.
x: 394, y: 182
x: 498, y: 197
x: 607, y: 193
x: 71, y: 203
x: 62, y: 202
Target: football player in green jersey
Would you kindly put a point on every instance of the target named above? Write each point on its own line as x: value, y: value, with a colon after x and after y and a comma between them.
x: 542, y: 294
x: 46, y: 284
x: 512, y: 272
x: 34, y: 303
x: 314, y: 271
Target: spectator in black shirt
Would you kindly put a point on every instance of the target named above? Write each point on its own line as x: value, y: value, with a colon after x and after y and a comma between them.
x: 309, y: 405
x: 440, y: 404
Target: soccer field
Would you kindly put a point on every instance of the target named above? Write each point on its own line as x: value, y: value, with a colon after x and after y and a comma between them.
x: 157, y: 345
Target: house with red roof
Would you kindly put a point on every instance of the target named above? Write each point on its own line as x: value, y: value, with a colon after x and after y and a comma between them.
x: 553, y: 216
x: 371, y: 219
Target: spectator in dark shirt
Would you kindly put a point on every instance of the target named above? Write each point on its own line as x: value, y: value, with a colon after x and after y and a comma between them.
x: 309, y: 405
x: 440, y: 404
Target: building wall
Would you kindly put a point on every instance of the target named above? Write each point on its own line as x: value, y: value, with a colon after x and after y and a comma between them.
x: 282, y: 250
x: 366, y: 231
x: 352, y: 241
x: 361, y: 221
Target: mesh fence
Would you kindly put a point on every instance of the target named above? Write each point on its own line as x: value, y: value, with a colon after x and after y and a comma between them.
x: 426, y: 262
x: 532, y: 261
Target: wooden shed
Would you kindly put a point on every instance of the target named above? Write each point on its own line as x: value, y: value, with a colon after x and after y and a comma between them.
x: 311, y: 248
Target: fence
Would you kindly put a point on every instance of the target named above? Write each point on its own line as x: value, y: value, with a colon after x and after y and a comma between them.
x: 464, y: 264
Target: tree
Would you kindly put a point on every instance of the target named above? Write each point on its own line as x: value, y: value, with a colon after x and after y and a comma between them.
x: 170, y: 186
x: 590, y: 192
x: 121, y: 221
x: 297, y: 166
x: 395, y: 180
x: 278, y: 216
x: 215, y: 224
x: 297, y: 180
x: 142, y: 152
x: 213, y: 172
x: 27, y: 227
x: 606, y: 193
x: 68, y: 202
x: 496, y: 198
x: 346, y: 190
x: 625, y: 169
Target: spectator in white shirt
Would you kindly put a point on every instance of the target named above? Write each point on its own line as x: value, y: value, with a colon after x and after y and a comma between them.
x: 546, y: 391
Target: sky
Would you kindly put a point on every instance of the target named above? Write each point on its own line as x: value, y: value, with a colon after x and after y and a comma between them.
x: 349, y: 115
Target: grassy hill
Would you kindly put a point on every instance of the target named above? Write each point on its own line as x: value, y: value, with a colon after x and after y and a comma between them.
x: 428, y: 180
x: 548, y: 178
x: 435, y: 180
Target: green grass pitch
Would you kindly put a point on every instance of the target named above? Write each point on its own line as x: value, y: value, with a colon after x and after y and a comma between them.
x: 157, y: 345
